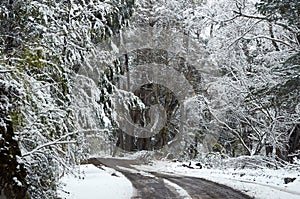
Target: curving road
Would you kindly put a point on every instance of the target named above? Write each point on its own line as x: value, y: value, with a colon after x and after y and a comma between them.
x: 154, y: 186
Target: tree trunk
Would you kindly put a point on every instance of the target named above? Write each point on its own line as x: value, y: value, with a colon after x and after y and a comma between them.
x: 294, y: 142
x: 12, y: 174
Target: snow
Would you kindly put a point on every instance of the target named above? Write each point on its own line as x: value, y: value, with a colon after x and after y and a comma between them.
x: 182, y: 193
x: 135, y: 171
x: 263, y: 183
x: 15, y: 179
x: 260, y: 183
x: 95, y: 183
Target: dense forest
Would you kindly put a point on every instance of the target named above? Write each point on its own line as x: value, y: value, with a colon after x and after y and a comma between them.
x: 180, y: 77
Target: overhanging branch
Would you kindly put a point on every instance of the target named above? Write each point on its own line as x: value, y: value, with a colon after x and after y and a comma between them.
x: 266, y: 18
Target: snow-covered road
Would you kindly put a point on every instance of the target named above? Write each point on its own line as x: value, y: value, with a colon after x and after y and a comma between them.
x: 260, y: 183
x: 160, y: 186
x: 165, y: 179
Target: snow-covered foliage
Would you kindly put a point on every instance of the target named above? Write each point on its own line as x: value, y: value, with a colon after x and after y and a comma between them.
x: 45, y: 46
x: 252, y: 54
x: 247, y: 103
x: 59, y: 86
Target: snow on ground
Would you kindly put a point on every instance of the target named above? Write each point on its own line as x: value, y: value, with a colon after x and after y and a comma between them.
x: 181, y: 192
x: 95, y: 183
x: 260, y: 183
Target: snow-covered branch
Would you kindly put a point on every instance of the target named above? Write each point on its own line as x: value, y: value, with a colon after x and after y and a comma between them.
x: 236, y: 133
x: 244, y: 34
x: 5, y: 71
x: 57, y: 141
x: 267, y: 18
x: 269, y: 38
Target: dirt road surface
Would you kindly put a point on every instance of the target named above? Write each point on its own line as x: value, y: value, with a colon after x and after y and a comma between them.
x: 153, y: 186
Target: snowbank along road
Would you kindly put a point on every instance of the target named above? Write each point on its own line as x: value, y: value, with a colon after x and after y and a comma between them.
x: 165, y: 186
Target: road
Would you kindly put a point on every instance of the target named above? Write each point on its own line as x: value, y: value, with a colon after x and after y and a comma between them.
x: 154, y: 186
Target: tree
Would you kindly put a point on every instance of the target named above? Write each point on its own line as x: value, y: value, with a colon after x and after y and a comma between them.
x: 12, y: 172
x: 281, y: 11
x: 243, y: 45
x: 43, y: 46
x: 155, y: 26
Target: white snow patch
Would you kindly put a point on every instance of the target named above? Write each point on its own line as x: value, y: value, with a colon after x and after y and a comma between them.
x: 182, y: 193
x: 137, y: 172
x: 95, y: 183
x: 15, y: 179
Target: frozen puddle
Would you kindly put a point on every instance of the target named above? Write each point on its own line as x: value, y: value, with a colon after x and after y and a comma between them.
x: 95, y: 183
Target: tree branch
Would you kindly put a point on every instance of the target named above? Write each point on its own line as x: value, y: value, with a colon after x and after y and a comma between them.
x: 269, y: 38
x: 59, y: 141
x: 242, y: 36
x: 285, y: 26
x: 5, y: 71
x: 231, y: 129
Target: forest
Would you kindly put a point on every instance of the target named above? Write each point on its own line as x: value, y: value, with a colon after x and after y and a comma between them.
x: 180, y: 78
